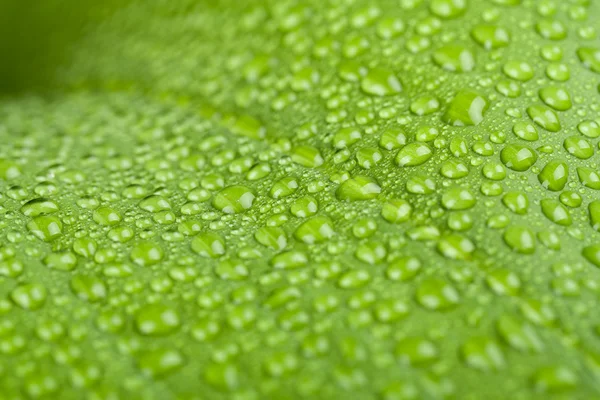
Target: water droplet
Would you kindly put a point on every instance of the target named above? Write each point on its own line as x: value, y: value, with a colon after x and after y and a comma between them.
x: 437, y: 294
x: 106, y: 216
x: 358, y: 188
x: 556, y: 212
x: 466, y: 108
x: 578, y: 147
x: 29, y: 296
x: 157, y: 320
x: 490, y: 36
x: 544, y: 117
x: 554, y: 175
x: 454, y: 58
x: 448, y: 8
x: 590, y: 58
x: 396, y: 211
x: 413, y: 155
x: 517, y: 157
x: 520, y: 239
x: 416, y: 351
x: 46, y: 228
x: 555, y: 97
x: 518, y: 334
x: 41, y: 206
x: 89, y: 288
x: 233, y: 199
x: 555, y: 379
x: 403, y: 269
x: 458, y: 198
x: 160, y: 362
x: 380, y: 82
x: 456, y: 247
x: 483, y: 353
x: 146, y: 254
x: 315, y: 230
x: 518, y: 70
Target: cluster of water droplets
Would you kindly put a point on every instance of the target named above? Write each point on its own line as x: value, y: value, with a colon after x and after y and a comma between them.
x: 389, y: 200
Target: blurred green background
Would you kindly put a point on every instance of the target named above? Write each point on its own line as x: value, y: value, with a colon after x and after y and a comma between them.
x: 35, y: 39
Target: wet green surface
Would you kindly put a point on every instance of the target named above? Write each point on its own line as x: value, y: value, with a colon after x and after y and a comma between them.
x: 301, y: 200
